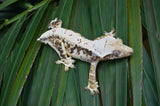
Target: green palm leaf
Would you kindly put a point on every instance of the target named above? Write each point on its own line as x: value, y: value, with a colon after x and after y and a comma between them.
x: 29, y: 75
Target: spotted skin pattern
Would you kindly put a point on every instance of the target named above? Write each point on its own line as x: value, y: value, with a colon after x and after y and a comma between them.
x: 69, y: 44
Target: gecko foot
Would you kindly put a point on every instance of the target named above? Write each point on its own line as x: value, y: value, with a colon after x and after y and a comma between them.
x: 67, y: 62
x: 93, y: 88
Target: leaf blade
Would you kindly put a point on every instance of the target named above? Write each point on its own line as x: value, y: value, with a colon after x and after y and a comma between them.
x: 149, y: 82
x: 18, y: 59
x: 6, y: 3
x: 153, y: 41
x: 135, y: 41
x: 121, y: 65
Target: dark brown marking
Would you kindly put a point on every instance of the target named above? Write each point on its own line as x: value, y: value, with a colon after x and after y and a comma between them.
x: 72, y: 49
x: 63, y: 41
x: 94, y: 58
x: 78, y: 50
x: 56, y: 37
x: 90, y: 53
x: 50, y: 37
x: 109, y: 56
x: 43, y: 39
x: 84, y: 52
x: 63, y: 56
x: 68, y: 45
x: 59, y: 47
x: 56, y: 22
x: 70, y: 35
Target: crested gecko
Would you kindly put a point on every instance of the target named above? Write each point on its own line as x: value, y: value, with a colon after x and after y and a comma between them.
x: 69, y: 44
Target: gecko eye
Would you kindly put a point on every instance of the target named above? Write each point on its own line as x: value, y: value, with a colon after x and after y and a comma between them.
x: 116, y: 52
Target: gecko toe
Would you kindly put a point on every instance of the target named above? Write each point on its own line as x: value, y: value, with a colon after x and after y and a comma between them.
x: 93, y: 91
x: 58, y: 62
x: 72, y: 66
x: 66, y: 68
x: 97, y: 91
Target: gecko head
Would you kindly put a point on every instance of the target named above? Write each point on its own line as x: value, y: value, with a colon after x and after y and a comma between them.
x: 121, y: 50
x: 118, y: 50
x: 56, y: 23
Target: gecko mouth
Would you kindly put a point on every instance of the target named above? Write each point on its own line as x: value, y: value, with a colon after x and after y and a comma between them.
x: 111, y: 56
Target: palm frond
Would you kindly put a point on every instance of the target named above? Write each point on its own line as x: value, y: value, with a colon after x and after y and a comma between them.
x: 29, y: 75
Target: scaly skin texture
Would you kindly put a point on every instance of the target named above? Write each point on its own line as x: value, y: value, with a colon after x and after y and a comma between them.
x: 69, y: 44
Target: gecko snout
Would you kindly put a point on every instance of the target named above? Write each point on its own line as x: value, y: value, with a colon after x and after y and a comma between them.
x: 128, y: 51
x: 123, y: 51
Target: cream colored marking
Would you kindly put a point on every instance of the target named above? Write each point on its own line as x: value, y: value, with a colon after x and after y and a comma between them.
x: 91, y: 74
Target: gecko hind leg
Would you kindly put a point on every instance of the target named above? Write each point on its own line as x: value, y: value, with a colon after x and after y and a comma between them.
x: 92, y: 84
x: 56, y: 23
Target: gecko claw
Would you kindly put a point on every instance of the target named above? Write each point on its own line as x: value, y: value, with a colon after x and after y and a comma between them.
x: 105, y: 33
x: 114, y: 34
x: 73, y: 61
x: 112, y: 30
x: 97, y: 91
x: 92, y: 93
x: 72, y: 66
x: 86, y: 88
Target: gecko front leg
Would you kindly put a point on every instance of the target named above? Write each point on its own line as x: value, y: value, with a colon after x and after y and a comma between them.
x: 92, y: 84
